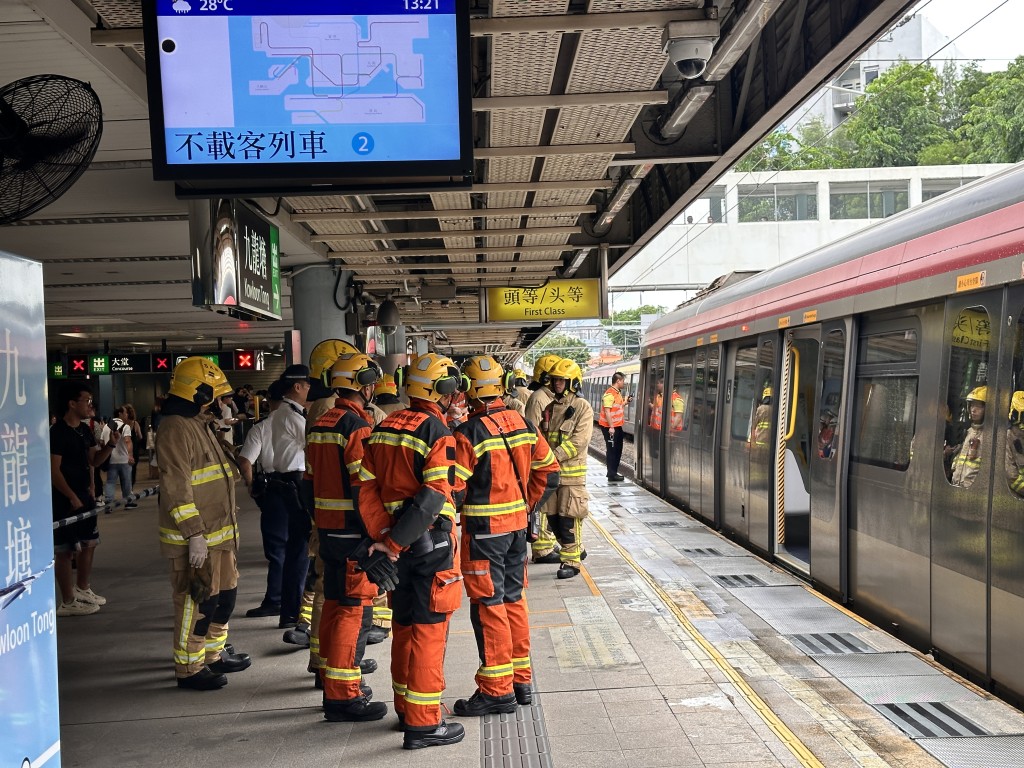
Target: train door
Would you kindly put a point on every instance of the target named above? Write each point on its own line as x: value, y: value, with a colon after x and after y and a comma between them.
x: 677, y: 437
x: 1006, y: 588
x: 651, y: 422
x: 797, y: 416
x: 741, y: 400
x: 827, y: 461
x: 709, y: 463
x: 762, y: 442
x: 697, y: 424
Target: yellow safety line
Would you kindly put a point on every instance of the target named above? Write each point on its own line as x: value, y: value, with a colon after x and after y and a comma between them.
x: 779, y: 728
x: 590, y: 582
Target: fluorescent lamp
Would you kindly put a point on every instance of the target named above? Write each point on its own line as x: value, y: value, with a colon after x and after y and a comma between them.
x: 675, y: 123
x: 621, y: 196
x: 741, y: 34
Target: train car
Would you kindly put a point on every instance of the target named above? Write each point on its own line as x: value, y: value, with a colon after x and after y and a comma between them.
x: 597, y: 380
x: 827, y: 421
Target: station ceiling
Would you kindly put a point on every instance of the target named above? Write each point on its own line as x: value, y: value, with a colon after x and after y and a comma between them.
x: 574, y: 105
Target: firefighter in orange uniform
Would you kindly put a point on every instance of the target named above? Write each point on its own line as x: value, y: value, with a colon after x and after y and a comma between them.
x: 406, y: 502
x: 503, y: 470
x: 334, y: 456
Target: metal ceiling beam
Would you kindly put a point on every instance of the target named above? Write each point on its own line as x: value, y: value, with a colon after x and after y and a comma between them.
x: 561, y: 100
x: 524, y: 266
x: 631, y: 161
x: 543, y: 186
x: 348, y: 237
x: 453, y: 213
x: 555, y: 150
x: 496, y: 250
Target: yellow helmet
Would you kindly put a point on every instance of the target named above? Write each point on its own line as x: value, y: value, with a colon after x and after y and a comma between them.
x: 978, y: 395
x: 483, y: 377
x: 520, y: 377
x: 199, y: 381
x: 767, y: 393
x: 431, y: 377
x: 386, y: 386
x: 542, y: 368
x: 323, y: 356
x: 570, y: 371
x: 353, y: 371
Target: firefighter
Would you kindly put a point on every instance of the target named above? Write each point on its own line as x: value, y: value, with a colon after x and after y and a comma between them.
x: 545, y: 548
x: 521, y: 386
x: 968, y: 462
x: 503, y: 471
x: 198, y: 527
x: 1015, y: 445
x: 385, y: 395
x: 611, y: 420
x: 333, y: 459
x: 406, y: 502
x: 568, y: 423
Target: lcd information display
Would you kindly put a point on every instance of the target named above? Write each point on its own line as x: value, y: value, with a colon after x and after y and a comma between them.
x: 312, y: 89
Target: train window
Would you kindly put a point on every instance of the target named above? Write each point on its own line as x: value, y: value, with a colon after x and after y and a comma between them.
x: 895, y: 347
x: 885, y: 419
x: 967, y: 395
x: 745, y: 392
x: 1014, y: 464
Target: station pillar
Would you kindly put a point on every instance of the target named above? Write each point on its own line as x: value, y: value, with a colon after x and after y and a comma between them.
x: 314, y: 312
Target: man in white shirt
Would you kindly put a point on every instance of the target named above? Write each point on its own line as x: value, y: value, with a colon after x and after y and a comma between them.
x: 257, y: 454
x: 288, y: 437
x: 121, y: 459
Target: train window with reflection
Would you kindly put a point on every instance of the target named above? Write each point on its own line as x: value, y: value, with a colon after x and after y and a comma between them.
x: 885, y: 400
x: 745, y: 392
x: 1014, y: 458
x: 967, y: 396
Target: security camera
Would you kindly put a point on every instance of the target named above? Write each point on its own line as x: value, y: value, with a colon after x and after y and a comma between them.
x: 388, y: 318
x: 689, y: 45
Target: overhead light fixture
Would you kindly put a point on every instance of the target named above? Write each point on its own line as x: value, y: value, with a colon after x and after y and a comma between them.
x: 621, y: 196
x: 674, y: 123
x: 741, y: 34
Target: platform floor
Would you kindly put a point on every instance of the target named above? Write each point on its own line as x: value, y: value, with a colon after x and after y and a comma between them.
x: 675, y: 648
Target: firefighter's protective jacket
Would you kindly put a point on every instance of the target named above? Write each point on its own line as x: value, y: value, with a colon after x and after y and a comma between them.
x: 197, y: 486
x: 487, y: 488
x: 568, y: 423
x: 334, y: 456
x: 539, y: 400
x: 408, y: 472
x: 967, y: 463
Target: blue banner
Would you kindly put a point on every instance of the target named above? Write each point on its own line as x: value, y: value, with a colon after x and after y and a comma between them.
x: 29, y: 718
x: 301, y: 7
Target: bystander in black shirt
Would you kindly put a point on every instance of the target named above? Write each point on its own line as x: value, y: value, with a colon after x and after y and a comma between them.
x: 72, y: 444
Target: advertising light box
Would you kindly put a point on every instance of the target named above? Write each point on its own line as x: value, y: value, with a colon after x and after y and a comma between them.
x: 314, y: 91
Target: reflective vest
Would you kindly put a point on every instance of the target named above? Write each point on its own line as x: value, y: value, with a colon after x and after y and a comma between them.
x: 677, y: 412
x: 334, y: 456
x: 656, y: 407
x: 488, y: 491
x: 616, y: 408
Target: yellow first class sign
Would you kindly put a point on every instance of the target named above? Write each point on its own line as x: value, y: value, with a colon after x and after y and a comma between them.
x: 555, y: 300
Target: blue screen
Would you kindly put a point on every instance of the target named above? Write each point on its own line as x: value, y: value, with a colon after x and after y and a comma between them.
x: 264, y: 85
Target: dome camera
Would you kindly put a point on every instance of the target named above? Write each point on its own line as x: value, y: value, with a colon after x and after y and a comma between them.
x: 388, y: 318
x: 689, y: 45
x: 690, y: 55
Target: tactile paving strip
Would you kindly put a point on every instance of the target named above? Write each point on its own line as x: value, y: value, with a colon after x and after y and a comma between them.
x: 701, y: 552
x: 824, y: 643
x: 516, y: 740
x: 930, y: 719
x: 737, y: 580
x: 978, y: 751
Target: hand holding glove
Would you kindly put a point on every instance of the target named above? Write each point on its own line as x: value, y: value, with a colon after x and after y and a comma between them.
x: 197, y: 550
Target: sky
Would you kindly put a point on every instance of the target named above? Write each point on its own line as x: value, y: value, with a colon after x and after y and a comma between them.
x: 994, y: 41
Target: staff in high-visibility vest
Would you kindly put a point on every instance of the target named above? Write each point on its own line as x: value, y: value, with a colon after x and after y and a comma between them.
x: 611, y: 420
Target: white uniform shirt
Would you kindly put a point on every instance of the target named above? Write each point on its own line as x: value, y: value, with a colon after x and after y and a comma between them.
x: 288, y: 437
x: 258, y: 446
x: 119, y: 454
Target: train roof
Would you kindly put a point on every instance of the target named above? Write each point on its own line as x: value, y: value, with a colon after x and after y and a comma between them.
x: 975, y: 199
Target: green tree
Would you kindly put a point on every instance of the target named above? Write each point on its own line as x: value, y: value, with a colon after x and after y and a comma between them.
x: 817, y: 148
x: 899, y: 116
x: 994, y: 125
x: 774, y: 153
x: 559, y: 344
x: 627, y: 339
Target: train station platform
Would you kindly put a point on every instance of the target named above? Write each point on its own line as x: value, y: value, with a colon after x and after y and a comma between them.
x: 674, y: 648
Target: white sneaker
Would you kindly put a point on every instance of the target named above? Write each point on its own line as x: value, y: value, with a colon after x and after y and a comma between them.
x: 88, y: 596
x: 77, y: 608
x: 100, y: 500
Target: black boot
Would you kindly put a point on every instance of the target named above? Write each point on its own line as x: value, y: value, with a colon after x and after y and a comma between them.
x: 298, y: 636
x: 524, y: 693
x: 228, y: 663
x: 203, y: 680
x: 377, y: 635
x: 366, y: 666
x: 442, y: 736
x: 566, y: 571
x: 480, y: 704
x: 549, y: 559
x: 357, y: 710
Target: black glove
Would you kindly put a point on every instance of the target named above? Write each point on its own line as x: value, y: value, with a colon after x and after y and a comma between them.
x: 380, y: 570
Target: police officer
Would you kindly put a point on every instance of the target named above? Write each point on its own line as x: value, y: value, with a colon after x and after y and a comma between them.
x: 611, y: 420
x: 198, y: 526
x: 968, y: 461
x: 1015, y: 445
x: 503, y: 470
x: 333, y: 459
x: 406, y: 503
x: 545, y: 548
x: 568, y: 423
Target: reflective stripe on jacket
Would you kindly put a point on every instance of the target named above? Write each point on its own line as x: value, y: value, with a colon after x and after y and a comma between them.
x: 197, y: 486
x: 334, y: 456
x: 487, y: 487
x: 616, y: 409
x: 569, y: 436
